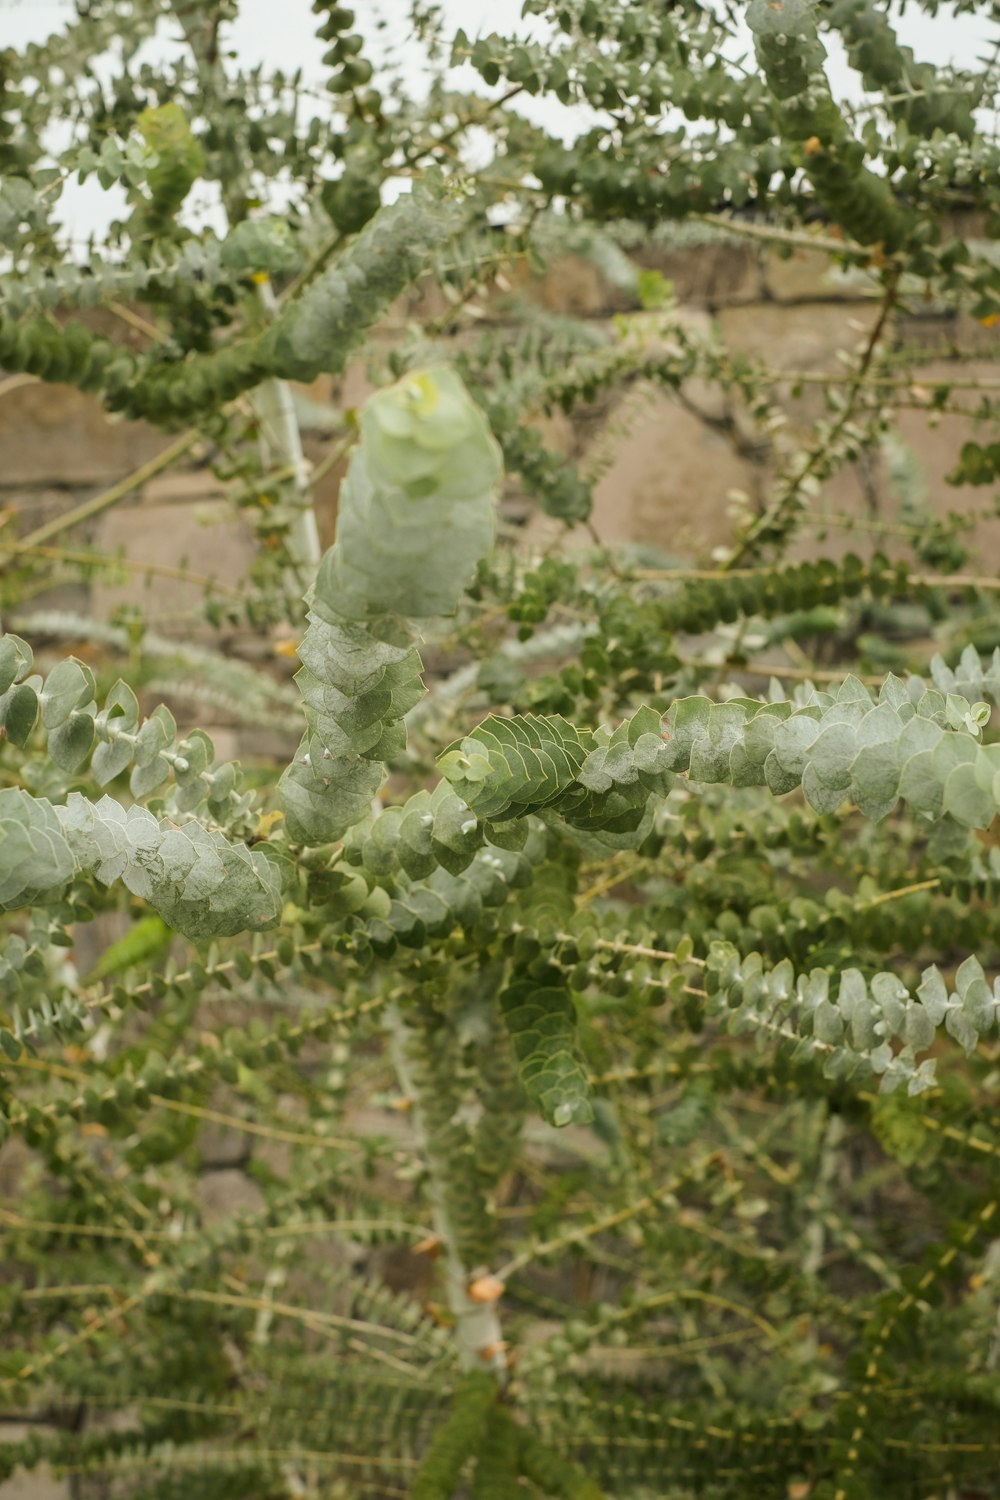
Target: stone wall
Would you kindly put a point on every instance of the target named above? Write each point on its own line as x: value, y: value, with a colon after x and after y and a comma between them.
x: 668, y: 467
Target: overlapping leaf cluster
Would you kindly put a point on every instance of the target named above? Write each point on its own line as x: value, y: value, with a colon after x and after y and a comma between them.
x: 429, y: 831
x: 792, y: 58
x: 202, y: 883
x: 114, y: 736
x: 314, y: 333
x: 402, y: 912
x: 915, y: 742
x: 542, y: 1022
x: 599, y: 781
x: 37, y: 858
x: 356, y: 687
x: 482, y: 1430
x: 854, y: 1026
x: 177, y: 160
x: 417, y: 512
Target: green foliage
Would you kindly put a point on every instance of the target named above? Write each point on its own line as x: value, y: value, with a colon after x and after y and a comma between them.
x: 915, y: 742
x: 977, y: 464
x: 316, y: 333
x: 496, y: 1476
x: 600, y: 1020
x: 178, y: 159
x: 456, y: 1440
x: 417, y: 508
x: 542, y: 1023
x: 553, y: 1474
x: 602, y: 781
x: 508, y: 767
x: 199, y: 882
x: 417, y: 513
x: 854, y: 1031
x: 791, y: 56
x: 356, y: 687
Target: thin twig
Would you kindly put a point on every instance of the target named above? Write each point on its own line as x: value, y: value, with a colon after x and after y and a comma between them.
x: 773, y: 235
x: 104, y: 560
x: 109, y: 497
x: 793, y: 487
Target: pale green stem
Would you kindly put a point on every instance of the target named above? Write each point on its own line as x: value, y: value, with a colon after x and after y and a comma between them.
x: 282, y: 444
x: 478, y: 1333
x: 272, y: 401
x: 93, y: 507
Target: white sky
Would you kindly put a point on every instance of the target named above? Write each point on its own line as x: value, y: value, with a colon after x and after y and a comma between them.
x: 280, y: 34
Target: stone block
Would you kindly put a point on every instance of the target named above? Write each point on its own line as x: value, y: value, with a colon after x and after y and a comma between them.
x: 326, y: 493
x: 666, y: 477
x: 813, y: 276
x: 796, y: 337
x: 355, y: 386
x: 575, y: 287
x: 978, y: 337
x: 71, y: 597
x: 226, y: 1193
x: 223, y: 1146
x: 654, y: 329
x: 91, y: 940
x: 35, y: 505
x: 864, y: 494
x: 210, y: 540
x: 15, y: 1160
x: 855, y: 494
x: 38, y: 1483
x: 401, y: 1270
x: 937, y: 331
x: 719, y: 273
x: 183, y: 487
x: 937, y: 447
x: 55, y: 435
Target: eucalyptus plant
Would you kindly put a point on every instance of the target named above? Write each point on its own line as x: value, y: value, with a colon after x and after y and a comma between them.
x: 614, y: 1043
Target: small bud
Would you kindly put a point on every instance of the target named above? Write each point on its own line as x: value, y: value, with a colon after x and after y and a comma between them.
x: 486, y: 1289
x: 489, y: 1352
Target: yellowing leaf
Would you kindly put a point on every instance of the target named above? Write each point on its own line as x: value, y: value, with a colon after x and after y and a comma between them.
x: 267, y: 821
